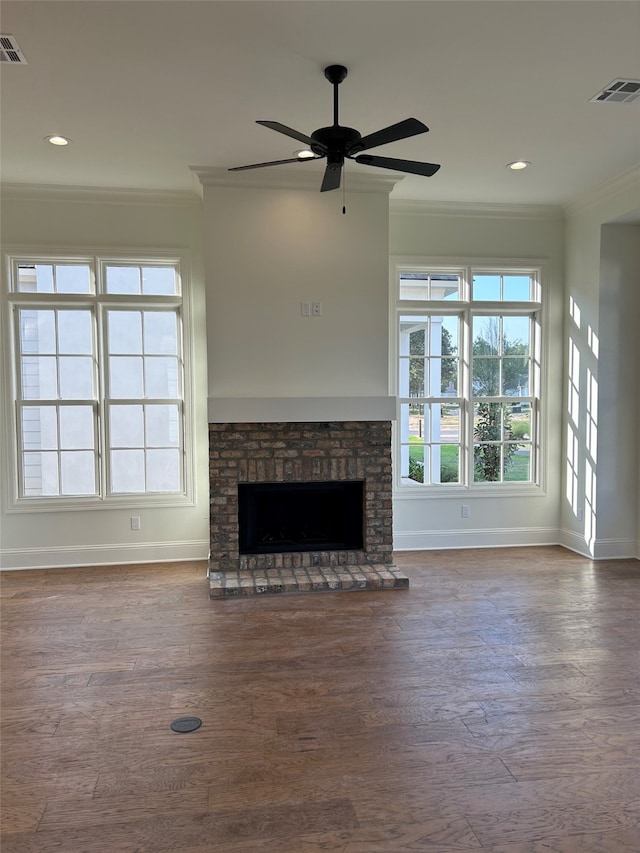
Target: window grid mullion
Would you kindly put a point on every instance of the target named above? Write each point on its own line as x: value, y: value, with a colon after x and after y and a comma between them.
x: 100, y: 373
x: 145, y: 455
x: 56, y: 340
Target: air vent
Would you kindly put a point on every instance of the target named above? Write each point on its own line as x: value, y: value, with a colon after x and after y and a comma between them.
x: 620, y: 91
x: 10, y: 52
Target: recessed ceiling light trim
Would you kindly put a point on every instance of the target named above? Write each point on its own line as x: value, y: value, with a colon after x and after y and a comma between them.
x: 56, y: 139
x: 619, y: 91
x: 518, y: 165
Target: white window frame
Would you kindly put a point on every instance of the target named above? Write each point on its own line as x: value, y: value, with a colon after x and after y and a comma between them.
x: 98, y: 301
x: 466, y: 268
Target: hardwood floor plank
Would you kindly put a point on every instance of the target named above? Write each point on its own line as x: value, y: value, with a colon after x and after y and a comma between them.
x: 71, y: 814
x: 536, y: 700
x: 323, y: 725
x: 177, y: 831
x: 587, y: 718
x: 415, y: 804
x: 495, y: 706
x: 21, y: 813
x: 616, y: 841
x: 439, y: 835
x: 541, y: 823
x: 419, y: 714
x: 566, y: 762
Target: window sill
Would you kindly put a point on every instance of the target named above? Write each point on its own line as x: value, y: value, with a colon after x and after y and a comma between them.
x: 447, y: 492
x: 31, y: 505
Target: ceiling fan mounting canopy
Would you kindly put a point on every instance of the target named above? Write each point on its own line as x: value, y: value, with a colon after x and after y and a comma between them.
x: 335, y: 73
x: 338, y: 142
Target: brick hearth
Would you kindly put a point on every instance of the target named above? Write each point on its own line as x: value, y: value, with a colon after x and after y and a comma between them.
x: 345, y: 578
x: 301, y: 452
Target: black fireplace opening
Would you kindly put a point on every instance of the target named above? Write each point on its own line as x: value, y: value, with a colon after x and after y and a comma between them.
x: 277, y: 517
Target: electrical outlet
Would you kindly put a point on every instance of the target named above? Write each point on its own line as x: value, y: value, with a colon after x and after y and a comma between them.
x: 466, y: 511
x: 316, y: 309
x: 135, y: 522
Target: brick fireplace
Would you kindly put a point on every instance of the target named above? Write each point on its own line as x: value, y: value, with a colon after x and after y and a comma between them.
x: 301, y: 452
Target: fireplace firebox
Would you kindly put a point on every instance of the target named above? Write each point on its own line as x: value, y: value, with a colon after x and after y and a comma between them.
x: 307, y: 516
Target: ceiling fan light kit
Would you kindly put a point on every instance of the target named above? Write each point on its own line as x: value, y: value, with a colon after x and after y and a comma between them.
x: 338, y: 143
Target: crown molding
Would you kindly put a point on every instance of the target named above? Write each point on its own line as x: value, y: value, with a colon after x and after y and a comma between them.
x: 416, y: 207
x: 291, y: 179
x: 98, y: 195
x: 603, y: 193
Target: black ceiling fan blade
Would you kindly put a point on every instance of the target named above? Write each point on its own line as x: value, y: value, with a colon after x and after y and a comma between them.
x: 412, y: 166
x: 288, y: 131
x: 393, y: 133
x: 274, y: 163
x: 332, y: 177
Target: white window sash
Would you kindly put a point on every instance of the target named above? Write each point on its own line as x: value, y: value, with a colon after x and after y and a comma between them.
x: 466, y: 400
x: 98, y: 302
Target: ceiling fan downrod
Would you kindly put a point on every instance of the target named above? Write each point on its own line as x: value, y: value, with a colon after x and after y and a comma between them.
x: 335, y: 74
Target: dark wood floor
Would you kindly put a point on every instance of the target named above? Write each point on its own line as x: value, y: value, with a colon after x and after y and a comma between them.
x: 495, y: 705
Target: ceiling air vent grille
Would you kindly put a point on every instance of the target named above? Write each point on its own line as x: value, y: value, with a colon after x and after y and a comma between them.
x: 620, y: 91
x: 9, y: 50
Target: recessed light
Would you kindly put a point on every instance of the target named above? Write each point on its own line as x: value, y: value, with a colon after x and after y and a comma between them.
x: 56, y: 139
x: 304, y: 154
x: 518, y: 164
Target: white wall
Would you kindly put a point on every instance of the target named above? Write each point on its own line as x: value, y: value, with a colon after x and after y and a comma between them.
x: 602, y: 281
x: 263, y: 260
x: 268, y: 250
x: 433, y: 522
x: 619, y: 357
x: 97, y: 220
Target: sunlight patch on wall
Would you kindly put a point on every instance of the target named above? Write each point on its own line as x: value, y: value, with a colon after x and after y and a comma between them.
x: 574, y: 311
x: 572, y: 469
x: 573, y: 403
x: 592, y: 416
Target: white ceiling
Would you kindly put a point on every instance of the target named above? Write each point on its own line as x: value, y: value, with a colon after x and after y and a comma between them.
x: 146, y: 89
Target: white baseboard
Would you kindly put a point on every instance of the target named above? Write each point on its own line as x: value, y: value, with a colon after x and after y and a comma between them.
x: 170, y: 552
x: 102, y: 555
x: 514, y: 537
x: 601, y: 549
x: 511, y: 537
x: 615, y: 549
x: 574, y: 542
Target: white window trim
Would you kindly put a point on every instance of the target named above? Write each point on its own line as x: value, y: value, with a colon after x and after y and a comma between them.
x: 96, y: 256
x: 444, y: 264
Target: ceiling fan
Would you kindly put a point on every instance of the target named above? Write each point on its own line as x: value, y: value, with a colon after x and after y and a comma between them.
x: 338, y: 142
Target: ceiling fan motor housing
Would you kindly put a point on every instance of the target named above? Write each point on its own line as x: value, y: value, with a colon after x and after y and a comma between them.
x: 336, y: 140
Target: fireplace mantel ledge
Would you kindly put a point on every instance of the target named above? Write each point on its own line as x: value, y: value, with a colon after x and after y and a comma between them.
x: 229, y: 410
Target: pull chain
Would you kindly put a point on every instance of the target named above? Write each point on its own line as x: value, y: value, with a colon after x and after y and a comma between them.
x: 344, y: 189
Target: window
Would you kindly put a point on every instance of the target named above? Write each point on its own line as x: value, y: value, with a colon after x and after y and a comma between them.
x: 100, y: 379
x: 469, y: 376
